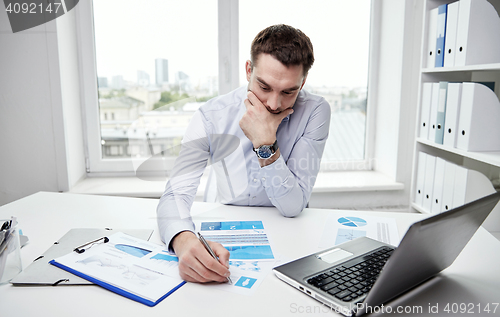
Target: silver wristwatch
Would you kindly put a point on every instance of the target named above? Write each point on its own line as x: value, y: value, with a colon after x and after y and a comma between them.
x: 266, y: 151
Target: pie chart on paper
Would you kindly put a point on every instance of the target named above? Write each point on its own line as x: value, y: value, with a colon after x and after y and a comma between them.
x: 352, y: 222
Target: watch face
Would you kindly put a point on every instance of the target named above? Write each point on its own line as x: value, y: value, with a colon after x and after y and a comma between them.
x: 264, y: 152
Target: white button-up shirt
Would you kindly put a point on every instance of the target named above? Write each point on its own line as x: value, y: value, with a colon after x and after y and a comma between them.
x: 214, y: 137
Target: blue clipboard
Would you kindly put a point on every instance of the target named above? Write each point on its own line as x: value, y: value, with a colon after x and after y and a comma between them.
x: 116, y: 289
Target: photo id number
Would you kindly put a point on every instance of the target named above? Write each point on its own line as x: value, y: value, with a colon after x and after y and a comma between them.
x: 33, y: 8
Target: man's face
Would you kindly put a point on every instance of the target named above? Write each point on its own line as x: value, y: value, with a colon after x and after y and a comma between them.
x: 276, y: 85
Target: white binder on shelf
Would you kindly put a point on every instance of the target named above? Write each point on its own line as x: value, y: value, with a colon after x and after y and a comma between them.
x: 478, y: 124
x: 441, y: 112
x: 451, y: 34
x: 478, y: 29
x: 448, y: 186
x: 419, y: 190
x: 460, y: 186
x: 471, y: 185
x: 425, y: 110
x: 431, y: 38
x: 437, y: 192
x: 453, y: 100
x: 440, y: 35
x: 433, y: 114
x: 430, y: 164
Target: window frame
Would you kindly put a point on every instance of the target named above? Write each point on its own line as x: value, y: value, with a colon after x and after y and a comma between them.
x: 228, y: 46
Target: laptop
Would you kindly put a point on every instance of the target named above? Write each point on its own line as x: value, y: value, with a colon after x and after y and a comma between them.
x: 365, y: 273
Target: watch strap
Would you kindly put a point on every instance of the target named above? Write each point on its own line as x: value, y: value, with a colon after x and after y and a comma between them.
x: 273, y: 147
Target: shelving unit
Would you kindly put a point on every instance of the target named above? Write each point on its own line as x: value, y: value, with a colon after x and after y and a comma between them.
x: 487, y: 163
x: 491, y: 158
x: 461, y: 69
x: 469, y: 73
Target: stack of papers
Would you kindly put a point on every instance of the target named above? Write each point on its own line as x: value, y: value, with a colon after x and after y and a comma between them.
x: 251, y: 256
x: 145, y: 272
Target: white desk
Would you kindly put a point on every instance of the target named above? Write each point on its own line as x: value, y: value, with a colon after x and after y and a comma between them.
x: 45, y: 217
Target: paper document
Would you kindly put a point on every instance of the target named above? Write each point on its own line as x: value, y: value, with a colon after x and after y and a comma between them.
x: 132, y: 267
x: 251, y: 256
x: 245, y: 240
x: 339, y: 229
x: 41, y: 272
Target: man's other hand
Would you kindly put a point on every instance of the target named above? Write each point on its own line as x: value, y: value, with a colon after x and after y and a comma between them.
x: 258, y: 124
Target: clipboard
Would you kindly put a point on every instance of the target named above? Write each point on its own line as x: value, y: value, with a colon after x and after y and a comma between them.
x: 41, y: 273
x: 128, y: 266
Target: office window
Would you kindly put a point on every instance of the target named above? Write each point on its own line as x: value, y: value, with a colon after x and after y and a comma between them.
x: 156, y: 64
x: 339, y: 31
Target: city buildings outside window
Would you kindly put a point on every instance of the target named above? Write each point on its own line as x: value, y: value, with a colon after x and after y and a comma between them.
x: 157, y: 63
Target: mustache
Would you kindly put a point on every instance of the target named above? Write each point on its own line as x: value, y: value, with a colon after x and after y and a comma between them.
x: 267, y: 107
x: 273, y: 111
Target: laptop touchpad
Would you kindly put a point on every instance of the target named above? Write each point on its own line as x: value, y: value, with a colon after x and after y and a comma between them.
x: 333, y: 255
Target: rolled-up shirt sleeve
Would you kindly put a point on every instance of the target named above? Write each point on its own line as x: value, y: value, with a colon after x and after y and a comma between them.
x: 289, y: 184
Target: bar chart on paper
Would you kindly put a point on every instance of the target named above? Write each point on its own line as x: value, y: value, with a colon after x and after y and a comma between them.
x: 257, y: 238
x: 245, y: 240
x: 251, y: 257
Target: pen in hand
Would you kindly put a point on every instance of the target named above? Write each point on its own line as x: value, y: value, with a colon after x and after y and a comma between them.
x: 209, y: 249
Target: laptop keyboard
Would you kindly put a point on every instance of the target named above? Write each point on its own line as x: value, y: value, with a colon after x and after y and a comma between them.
x: 354, y: 278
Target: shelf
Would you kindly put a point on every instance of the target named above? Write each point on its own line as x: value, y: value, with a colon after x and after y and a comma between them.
x: 468, y: 68
x: 492, y: 158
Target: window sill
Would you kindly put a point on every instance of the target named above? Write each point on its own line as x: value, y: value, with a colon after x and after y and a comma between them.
x: 354, y: 181
x: 327, y: 182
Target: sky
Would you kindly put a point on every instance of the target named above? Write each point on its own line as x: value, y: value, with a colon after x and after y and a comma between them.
x: 131, y: 34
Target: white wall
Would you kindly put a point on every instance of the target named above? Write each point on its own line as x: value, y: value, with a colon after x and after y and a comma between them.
x: 396, y: 93
x: 393, y: 88
x: 35, y: 101
x: 408, y: 107
x: 397, y: 81
x: 389, y: 85
x: 70, y: 92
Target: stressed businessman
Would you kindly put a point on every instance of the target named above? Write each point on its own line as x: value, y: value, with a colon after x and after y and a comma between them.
x: 264, y: 143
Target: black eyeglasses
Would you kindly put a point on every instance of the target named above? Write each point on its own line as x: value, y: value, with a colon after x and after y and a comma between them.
x: 90, y: 244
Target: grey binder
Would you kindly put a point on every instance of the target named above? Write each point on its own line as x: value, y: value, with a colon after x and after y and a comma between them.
x: 40, y: 272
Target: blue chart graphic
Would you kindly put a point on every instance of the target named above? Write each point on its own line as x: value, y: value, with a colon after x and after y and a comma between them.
x: 135, y: 251
x: 232, y: 225
x: 255, y: 238
x: 165, y: 257
x: 352, y: 221
x: 344, y: 235
x: 250, y: 252
x: 246, y: 282
x: 246, y: 266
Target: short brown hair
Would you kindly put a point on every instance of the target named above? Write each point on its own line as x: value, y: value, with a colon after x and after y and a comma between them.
x: 285, y: 43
